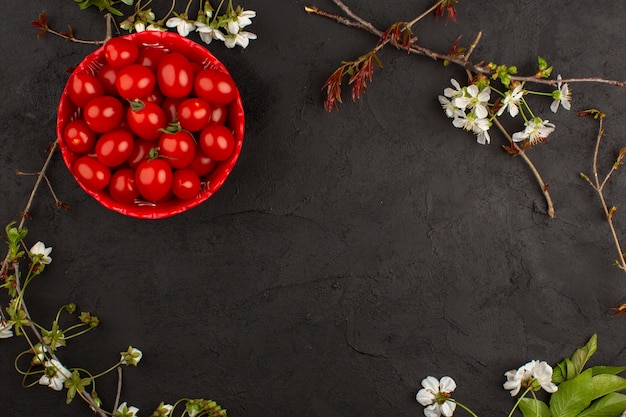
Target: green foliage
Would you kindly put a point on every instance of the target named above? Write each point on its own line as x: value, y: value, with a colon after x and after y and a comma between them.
x: 544, y: 70
x: 531, y: 407
x: 14, y: 236
x: 590, y: 392
x: 104, y: 5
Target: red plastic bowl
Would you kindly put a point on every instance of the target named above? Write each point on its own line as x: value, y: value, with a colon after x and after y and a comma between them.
x: 68, y: 111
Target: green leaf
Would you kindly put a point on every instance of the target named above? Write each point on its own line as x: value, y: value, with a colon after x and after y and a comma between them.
x: 572, y: 397
x: 559, y: 372
x: 128, y: 2
x: 531, y: 407
x: 608, y: 406
x: 611, y: 370
x: 605, y: 384
x: 582, y: 355
x: 542, y: 63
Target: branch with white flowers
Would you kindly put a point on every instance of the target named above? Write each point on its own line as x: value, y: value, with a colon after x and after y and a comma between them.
x: 210, y: 23
x: 573, y: 389
x: 469, y: 106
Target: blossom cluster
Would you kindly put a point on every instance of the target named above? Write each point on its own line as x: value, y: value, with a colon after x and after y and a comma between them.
x: 435, y: 394
x: 209, y: 24
x: 470, y: 109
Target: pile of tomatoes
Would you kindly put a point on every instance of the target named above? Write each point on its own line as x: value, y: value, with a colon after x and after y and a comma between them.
x: 150, y: 125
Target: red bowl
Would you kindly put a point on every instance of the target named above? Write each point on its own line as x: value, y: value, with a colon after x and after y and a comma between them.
x: 172, y: 42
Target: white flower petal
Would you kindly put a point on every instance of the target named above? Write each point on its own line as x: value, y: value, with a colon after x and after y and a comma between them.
x: 447, y: 408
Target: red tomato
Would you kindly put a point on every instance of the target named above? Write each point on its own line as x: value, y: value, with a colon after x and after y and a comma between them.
x: 107, y: 76
x: 215, y: 86
x: 91, y: 173
x: 141, y: 152
x: 194, y: 114
x: 175, y: 75
x: 150, y: 57
x: 156, y: 97
x: 154, y: 179
x: 170, y: 107
x: 217, y: 142
x: 219, y: 115
x: 103, y: 113
x: 122, y: 186
x: 114, y: 147
x: 185, y: 184
x: 78, y: 137
x: 145, y: 119
x: 120, y: 52
x: 178, y: 148
x: 135, y: 81
x: 82, y: 87
x: 202, y: 164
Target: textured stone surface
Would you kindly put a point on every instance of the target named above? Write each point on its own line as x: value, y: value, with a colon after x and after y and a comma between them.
x: 349, y: 254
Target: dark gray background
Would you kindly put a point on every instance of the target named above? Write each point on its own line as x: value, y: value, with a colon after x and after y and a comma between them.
x: 349, y: 254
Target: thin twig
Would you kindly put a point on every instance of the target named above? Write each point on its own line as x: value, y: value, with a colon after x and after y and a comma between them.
x: 356, y: 21
x: 426, y: 13
x: 119, y: 388
x: 599, y: 187
x: 532, y: 167
x: 466, y: 56
x: 5, y: 263
x: 354, y: 16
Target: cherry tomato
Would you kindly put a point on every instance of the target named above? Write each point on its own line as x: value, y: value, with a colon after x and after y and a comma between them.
x: 103, y: 113
x: 114, y: 147
x: 135, y: 81
x: 120, y: 52
x: 150, y: 57
x: 178, y: 148
x: 219, y: 115
x: 145, y: 119
x: 156, y: 97
x: 141, y: 152
x: 78, y: 137
x: 215, y: 86
x: 185, y: 184
x: 91, y: 173
x: 107, y: 76
x: 217, y: 142
x: 175, y: 75
x: 194, y: 114
x: 170, y: 107
x: 82, y: 87
x: 154, y: 179
x: 202, y: 164
x: 122, y: 186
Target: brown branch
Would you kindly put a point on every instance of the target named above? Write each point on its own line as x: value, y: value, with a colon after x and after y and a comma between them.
x: 532, y: 167
x: 357, y: 22
x: 599, y: 187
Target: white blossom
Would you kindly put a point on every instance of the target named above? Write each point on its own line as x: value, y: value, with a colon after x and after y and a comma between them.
x: 435, y: 396
x: 474, y: 99
x: 125, y: 411
x: 54, y: 375
x: 5, y: 330
x: 447, y: 106
x: 511, y: 101
x: 40, y: 251
x: 457, y: 91
x: 208, y: 33
x: 524, y: 377
x: 562, y: 95
x: 131, y: 357
x: 242, y: 39
x: 182, y: 24
x: 536, y: 130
